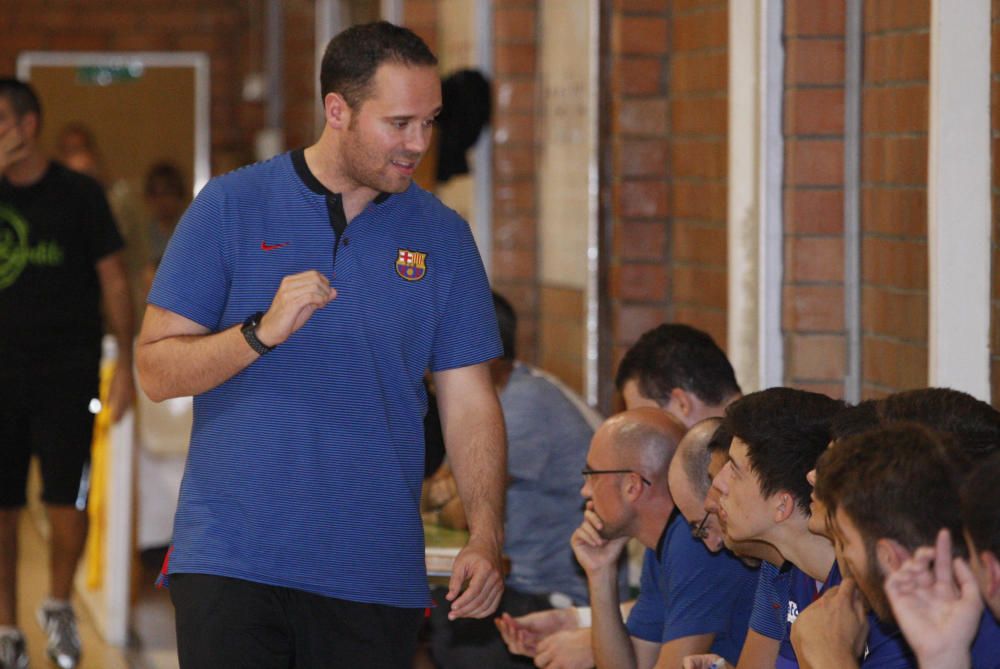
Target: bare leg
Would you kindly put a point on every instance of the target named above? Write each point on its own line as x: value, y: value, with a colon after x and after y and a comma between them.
x: 8, y: 566
x: 69, y: 534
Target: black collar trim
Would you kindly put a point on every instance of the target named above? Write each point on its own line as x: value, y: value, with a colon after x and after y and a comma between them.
x: 314, y: 184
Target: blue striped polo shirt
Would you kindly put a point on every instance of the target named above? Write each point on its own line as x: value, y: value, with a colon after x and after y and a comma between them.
x: 685, y: 590
x: 771, y: 600
x: 305, y: 468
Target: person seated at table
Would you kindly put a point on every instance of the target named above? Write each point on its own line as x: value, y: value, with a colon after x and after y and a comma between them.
x: 690, y: 600
x: 548, y: 430
x: 681, y: 371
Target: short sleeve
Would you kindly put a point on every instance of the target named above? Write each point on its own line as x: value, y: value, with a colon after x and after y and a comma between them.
x: 702, y: 590
x: 192, y: 279
x: 104, y: 237
x: 645, y: 621
x: 467, y: 332
x: 768, y: 615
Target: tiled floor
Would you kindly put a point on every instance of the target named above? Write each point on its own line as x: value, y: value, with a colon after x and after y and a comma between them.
x: 33, y: 578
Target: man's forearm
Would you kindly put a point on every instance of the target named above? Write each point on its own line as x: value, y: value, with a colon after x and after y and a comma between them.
x: 191, y: 364
x: 612, y: 644
x: 478, y: 456
x: 476, y: 442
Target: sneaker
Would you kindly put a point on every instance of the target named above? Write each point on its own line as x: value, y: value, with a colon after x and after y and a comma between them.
x: 59, y: 623
x: 13, y: 651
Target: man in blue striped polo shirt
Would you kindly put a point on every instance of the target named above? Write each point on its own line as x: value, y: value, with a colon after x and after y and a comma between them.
x: 301, y: 300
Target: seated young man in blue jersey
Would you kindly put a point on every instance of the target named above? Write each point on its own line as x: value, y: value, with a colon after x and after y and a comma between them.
x: 763, y: 494
x: 974, y: 424
x: 887, y: 492
x: 700, y: 456
x: 690, y: 600
x: 937, y: 599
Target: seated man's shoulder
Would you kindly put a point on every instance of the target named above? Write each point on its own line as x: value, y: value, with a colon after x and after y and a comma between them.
x: 534, y: 390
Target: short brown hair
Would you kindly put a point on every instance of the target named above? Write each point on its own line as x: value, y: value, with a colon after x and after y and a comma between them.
x: 898, y: 482
x: 981, y: 505
x: 353, y: 56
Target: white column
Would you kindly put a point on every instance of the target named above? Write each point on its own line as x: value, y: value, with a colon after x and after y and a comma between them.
x: 771, y: 250
x: 754, y: 219
x: 742, y: 209
x: 392, y: 11
x: 958, y: 196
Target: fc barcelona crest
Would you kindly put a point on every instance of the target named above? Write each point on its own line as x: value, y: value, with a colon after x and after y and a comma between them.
x: 411, y: 265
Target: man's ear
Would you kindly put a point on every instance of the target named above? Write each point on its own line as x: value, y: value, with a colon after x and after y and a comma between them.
x: 30, y: 125
x: 336, y: 111
x: 890, y: 555
x: 991, y: 565
x: 632, y: 486
x: 784, y: 506
x: 681, y: 402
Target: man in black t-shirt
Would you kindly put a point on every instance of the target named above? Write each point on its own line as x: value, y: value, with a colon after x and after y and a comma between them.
x: 60, y: 256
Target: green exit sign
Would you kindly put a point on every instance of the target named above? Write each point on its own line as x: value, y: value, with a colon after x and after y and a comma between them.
x: 105, y: 75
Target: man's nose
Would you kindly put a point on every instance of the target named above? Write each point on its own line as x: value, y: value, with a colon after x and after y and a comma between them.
x: 712, y: 501
x: 419, y: 138
x: 720, y: 482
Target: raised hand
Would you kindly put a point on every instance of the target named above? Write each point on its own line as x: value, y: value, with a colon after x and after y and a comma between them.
x: 12, y: 146
x: 298, y: 297
x: 937, y: 604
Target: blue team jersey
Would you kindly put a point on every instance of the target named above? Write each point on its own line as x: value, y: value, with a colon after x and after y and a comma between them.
x: 803, y: 590
x: 305, y: 468
x: 770, y: 601
x: 685, y: 590
x: 886, y: 648
x: 986, y: 645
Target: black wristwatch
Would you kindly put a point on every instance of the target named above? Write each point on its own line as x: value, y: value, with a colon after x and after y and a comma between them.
x: 249, y: 331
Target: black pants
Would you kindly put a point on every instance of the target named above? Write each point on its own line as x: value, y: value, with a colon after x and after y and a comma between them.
x: 471, y: 643
x: 234, y: 624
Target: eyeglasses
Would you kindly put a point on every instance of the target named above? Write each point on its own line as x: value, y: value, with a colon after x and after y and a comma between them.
x: 701, y: 532
x: 591, y: 472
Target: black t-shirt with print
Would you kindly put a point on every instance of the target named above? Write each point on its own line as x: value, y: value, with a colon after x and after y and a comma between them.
x: 52, y: 233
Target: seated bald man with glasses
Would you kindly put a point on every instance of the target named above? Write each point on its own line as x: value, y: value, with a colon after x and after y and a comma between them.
x: 678, y: 370
x: 690, y: 600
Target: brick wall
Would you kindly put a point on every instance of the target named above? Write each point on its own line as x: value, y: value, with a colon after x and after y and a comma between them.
x: 515, y: 160
x: 894, y: 195
x: 421, y: 17
x: 995, y: 135
x: 302, y: 102
x: 637, y: 81
x: 230, y: 32
x: 698, y: 114
x: 668, y: 99
x: 813, y: 281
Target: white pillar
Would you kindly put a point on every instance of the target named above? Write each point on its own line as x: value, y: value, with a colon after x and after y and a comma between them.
x: 958, y: 196
x: 754, y: 219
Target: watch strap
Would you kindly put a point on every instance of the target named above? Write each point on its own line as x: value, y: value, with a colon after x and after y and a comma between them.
x: 249, y: 331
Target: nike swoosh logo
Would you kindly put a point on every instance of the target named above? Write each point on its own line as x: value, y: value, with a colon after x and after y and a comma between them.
x: 264, y: 246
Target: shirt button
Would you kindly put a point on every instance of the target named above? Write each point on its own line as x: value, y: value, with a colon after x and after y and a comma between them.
x: 346, y: 241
